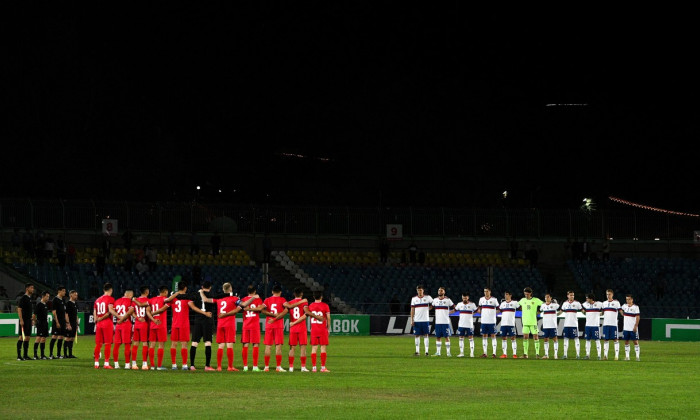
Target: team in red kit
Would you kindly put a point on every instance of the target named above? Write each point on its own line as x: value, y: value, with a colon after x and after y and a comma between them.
x: 141, y: 322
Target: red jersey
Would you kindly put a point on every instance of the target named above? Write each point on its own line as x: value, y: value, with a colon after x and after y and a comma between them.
x: 102, y: 307
x: 140, y: 311
x: 274, y: 304
x: 319, y: 328
x: 156, y: 303
x: 181, y: 312
x: 224, y: 305
x: 295, y: 314
x: 122, y: 306
x: 251, y: 319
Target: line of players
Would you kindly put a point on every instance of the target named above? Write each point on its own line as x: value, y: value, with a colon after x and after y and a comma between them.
x: 64, y: 324
x: 530, y: 306
x: 142, y: 322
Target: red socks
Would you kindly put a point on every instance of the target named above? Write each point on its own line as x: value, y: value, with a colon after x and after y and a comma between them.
x: 116, y: 353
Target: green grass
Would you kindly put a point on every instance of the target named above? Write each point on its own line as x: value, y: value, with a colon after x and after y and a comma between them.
x: 371, y: 377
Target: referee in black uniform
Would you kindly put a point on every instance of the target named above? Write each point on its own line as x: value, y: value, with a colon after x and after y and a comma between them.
x: 203, y: 326
x: 24, y: 312
x: 72, y: 326
x: 58, y: 307
x: 41, y: 320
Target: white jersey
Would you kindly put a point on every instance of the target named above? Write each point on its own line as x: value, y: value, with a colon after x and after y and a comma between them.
x: 508, y: 313
x: 442, y: 309
x: 420, y: 307
x: 549, y: 315
x: 488, y: 310
x: 570, y: 310
x: 630, y: 314
x: 610, y: 310
x: 466, y: 314
x: 593, y: 311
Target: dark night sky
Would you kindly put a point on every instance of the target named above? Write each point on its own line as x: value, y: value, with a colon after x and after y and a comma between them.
x: 435, y: 105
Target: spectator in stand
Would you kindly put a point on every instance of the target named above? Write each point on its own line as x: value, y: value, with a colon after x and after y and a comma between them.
x: 39, y: 241
x: 71, y: 256
x: 172, y: 243
x: 61, y: 251
x: 215, y: 242
x: 28, y: 243
x: 128, y: 262
x: 127, y: 238
x: 383, y: 250
x: 267, y: 248
x: 576, y: 249
x: 412, y: 252
x: 606, y: 250
x: 100, y: 263
x: 106, y: 247
x: 49, y: 247
x: 141, y: 266
x: 513, y: 248
x: 16, y: 240
x: 585, y: 249
x: 152, y: 258
x: 194, y: 243
x: 4, y: 300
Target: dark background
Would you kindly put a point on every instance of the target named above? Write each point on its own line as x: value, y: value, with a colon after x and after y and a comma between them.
x: 349, y: 103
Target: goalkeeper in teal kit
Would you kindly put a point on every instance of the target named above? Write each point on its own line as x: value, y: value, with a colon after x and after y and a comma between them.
x: 529, y: 306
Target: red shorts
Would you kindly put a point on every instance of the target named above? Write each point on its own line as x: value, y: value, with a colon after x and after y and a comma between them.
x: 141, y: 332
x: 299, y: 337
x: 158, y: 335
x: 251, y: 335
x: 226, y: 334
x: 274, y: 336
x: 321, y: 339
x: 104, y: 334
x: 122, y: 335
x: 180, y: 334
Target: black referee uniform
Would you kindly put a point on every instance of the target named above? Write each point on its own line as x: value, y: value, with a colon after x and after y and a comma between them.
x: 72, y: 311
x: 42, y: 327
x: 59, y: 326
x: 203, y: 328
x: 25, y: 304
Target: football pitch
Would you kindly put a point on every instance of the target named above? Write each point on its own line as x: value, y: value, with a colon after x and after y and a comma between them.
x: 375, y: 377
